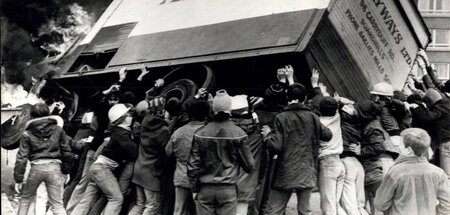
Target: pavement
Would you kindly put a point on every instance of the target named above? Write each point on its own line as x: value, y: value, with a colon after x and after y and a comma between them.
x: 7, y: 208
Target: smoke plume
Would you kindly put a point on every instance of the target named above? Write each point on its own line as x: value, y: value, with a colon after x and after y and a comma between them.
x: 34, y: 30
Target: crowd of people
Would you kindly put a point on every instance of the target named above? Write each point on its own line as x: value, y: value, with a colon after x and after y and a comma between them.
x: 245, y: 155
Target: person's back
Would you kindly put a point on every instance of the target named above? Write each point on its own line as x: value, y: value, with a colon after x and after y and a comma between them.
x: 220, y: 143
x: 418, y: 184
x: 413, y: 186
x: 45, y: 145
x: 332, y: 170
x: 298, y: 151
x: 296, y: 140
x: 218, y: 149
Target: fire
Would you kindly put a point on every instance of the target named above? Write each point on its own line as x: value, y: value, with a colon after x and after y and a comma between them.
x: 68, y: 27
x: 14, y: 95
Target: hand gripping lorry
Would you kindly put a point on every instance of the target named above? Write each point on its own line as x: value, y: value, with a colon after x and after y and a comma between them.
x: 239, y: 45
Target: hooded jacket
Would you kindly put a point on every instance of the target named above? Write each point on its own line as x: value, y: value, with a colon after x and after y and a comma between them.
x: 149, y: 165
x: 296, y: 140
x: 43, y: 139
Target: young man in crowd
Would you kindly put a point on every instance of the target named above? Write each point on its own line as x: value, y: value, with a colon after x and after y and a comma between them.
x: 439, y: 115
x: 120, y: 150
x: 247, y: 183
x: 149, y: 164
x: 332, y: 170
x: 295, y: 139
x: 414, y: 186
x: 377, y: 152
x: 180, y: 146
x: 353, y: 198
x: 218, y: 149
x: 44, y: 143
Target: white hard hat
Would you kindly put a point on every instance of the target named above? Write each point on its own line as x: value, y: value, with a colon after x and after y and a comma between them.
x: 117, y: 111
x: 382, y: 89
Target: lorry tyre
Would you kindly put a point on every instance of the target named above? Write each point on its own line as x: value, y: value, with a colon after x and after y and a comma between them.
x: 202, y: 75
x: 181, y: 89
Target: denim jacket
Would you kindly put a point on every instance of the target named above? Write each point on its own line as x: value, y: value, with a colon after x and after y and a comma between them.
x: 414, y: 187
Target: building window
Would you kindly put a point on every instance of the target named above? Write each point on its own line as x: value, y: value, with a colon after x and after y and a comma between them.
x: 440, y: 38
x: 434, y: 6
x: 442, y: 70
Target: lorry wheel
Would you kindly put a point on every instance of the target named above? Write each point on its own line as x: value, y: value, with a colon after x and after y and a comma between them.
x: 13, y: 128
x: 181, y: 89
x: 202, y: 75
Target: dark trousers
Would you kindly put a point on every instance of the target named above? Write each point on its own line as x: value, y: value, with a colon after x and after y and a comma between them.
x: 278, y: 200
x: 217, y: 199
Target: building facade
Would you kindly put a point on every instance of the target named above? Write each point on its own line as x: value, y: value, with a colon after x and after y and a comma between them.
x: 436, y: 14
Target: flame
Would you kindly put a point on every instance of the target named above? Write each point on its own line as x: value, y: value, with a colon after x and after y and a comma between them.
x: 77, y: 22
x: 15, y: 95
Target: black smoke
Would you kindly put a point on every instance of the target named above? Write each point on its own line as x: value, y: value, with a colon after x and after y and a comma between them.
x: 21, y: 40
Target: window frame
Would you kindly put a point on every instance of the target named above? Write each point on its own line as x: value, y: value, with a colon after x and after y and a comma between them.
x: 434, y: 45
x: 447, y: 77
x: 432, y: 10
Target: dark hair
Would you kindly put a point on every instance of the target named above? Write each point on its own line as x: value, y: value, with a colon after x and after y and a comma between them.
x: 198, y: 110
x: 39, y: 110
x: 173, y: 106
x: 296, y: 91
x: 414, y: 98
x: 112, y: 96
x: 399, y: 95
x: 128, y: 97
x: 328, y: 106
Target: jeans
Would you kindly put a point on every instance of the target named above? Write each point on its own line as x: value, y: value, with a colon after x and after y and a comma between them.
x: 102, y: 178
x: 147, y: 202
x: 218, y: 199
x: 124, y: 180
x: 445, y: 157
x: 78, y: 192
x: 387, y: 162
x: 183, y: 198
x: 371, y: 190
x: 353, y: 197
x: 278, y: 200
x: 51, y: 175
x: 331, y: 182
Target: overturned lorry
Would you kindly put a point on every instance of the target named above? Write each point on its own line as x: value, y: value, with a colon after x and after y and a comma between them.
x: 238, y: 45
